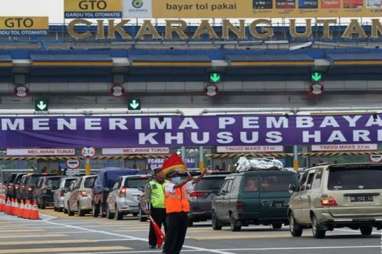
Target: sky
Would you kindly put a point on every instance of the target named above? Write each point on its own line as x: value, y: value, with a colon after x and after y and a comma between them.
x: 52, y: 8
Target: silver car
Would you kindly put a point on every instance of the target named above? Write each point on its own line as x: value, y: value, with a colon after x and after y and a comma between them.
x: 58, y: 195
x: 125, y: 195
x: 335, y: 196
x: 68, y: 193
x: 80, y: 199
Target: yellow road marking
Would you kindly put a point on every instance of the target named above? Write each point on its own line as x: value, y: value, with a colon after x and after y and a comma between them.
x: 30, y: 236
x: 69, y: 249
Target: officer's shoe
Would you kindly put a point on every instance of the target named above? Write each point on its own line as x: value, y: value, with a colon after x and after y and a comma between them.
x: 153, y: 247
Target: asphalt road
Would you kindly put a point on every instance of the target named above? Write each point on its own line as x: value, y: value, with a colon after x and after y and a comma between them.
x: 58, y: 233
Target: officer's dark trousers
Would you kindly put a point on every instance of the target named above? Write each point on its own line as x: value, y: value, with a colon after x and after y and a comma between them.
x: 159, y: 216
x: 176, y: 232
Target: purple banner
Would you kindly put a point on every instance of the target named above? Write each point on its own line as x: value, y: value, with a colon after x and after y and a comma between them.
x: 175, y: 131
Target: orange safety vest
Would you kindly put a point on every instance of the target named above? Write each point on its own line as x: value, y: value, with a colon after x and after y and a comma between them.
x: 177, y: 201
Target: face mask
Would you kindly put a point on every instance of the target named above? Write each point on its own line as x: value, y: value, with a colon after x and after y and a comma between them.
x: 176, y: 180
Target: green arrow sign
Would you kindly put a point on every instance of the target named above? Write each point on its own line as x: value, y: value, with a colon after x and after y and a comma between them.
x: 134, y: 104
x: 215, y: 77
x: 316, y: 76
x: 41, y: 105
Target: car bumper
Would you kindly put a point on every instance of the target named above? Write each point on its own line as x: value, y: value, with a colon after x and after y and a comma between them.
x: 59, y: 203
x: 85, y: 203
x: 128, y: 206
x: 347, y: 218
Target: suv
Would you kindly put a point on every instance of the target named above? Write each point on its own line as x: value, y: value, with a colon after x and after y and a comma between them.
x: 9, y: 185
x: 341, y: 195
x: 29, y: 182
x: 125, y: 196
x: 58, y: 196
x: 106, y: 179
x: 253, y: 197
x: 201, y: 198
x: 14, y: 185
x: 45, y: 187
x: 80, y: 197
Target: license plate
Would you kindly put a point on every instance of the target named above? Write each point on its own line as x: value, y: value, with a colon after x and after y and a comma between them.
x: 361, y: 199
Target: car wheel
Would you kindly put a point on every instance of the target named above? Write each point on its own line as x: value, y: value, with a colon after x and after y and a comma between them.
x: 317, y: 230
x: 366, y: 230
x: 135, y: 214
x: 70, y: 213
x: 109, y: 214
x: 43, y: 203
x: 294, y: 228
x: 234, y: 224
x: 59, y: 209
x: 65, y: 210
x: 216, y: 225
x: 117, y: 215
x: 80, y: 212
x: 277, y: 226
x: 95, y: 211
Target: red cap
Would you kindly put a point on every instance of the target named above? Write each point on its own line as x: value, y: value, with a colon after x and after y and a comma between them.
x: 172, y: 163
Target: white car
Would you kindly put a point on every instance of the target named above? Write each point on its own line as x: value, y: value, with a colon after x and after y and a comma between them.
x: 125, y: 196
x: 80, y: 198
x: 58, y: 195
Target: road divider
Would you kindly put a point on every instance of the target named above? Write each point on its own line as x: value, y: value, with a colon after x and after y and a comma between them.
x: 23, y: 209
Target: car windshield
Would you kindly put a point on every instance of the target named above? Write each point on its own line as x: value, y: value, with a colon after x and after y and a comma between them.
x: 209, y: 184
x: 68, y: 182
x: 137, y: 183
x: 355, y: 178
x: 268, y: 183
x: 89, y: 182
x: 53, y: 183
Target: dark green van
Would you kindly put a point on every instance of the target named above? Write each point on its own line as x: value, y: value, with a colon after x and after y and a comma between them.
x: 258, y: 197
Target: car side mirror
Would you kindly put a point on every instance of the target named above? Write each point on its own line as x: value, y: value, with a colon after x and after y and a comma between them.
x: 292, y: 188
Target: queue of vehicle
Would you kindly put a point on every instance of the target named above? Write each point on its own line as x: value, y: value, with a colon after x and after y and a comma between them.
x: 260, y: 192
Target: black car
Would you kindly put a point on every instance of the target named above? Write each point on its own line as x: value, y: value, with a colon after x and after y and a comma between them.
x: 44, y: 190
x: 9, y: 182
x: 17, y: 187
x: 29, y: 184
x: 201, y: 197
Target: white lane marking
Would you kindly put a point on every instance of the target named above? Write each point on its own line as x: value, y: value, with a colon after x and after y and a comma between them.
x: 127, y: 237
x: 305, y: 248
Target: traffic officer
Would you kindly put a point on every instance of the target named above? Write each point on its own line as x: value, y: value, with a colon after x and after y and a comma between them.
x: 177, y: 208
x: 154, y: 197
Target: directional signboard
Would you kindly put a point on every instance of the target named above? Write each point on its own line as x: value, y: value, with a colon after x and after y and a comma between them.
x: 41, y: 105
x: 316, y: 76
x: 215, y: 77
x: 134, y: 104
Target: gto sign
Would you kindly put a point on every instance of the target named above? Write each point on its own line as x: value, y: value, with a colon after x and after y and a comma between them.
x: 93, y: 8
